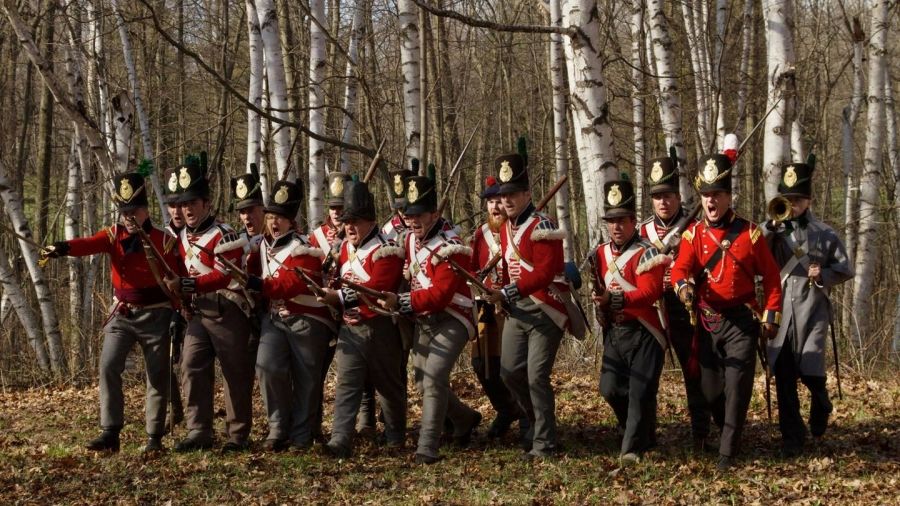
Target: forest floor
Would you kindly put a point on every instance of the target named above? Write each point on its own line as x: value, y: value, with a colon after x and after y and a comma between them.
x: 42, y: 460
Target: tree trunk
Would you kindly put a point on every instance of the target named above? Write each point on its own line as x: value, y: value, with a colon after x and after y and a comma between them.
x: 781, y: 88
x: 254, y: 95
x: 409, y: 64
x: 590, y: 110
x: 12, y: 292
x: 45, y: 131
x: 143, y: 119
x: 670, y: 111
x: 560, y: 127
x: 73, y: 230
x: 12, y: 203
x: 317, y: 73
x: 870, y: 183
x: 637, y: 99
x: 357, y: 31
x: 278, y: 102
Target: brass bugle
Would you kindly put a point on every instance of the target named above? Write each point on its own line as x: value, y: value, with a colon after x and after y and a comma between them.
x: 779, y: 209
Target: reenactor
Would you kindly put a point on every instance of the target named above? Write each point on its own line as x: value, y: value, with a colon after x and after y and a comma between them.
x: 220, y: 326
x: 141, y: 313
x: 812, y: 260
x: 663, y: 232
x: 532, y: 292
x: 296, y: 330
x: 368, y: 346
x: 396, y: 226
x: 173, y: 229
x: 628, y: 282
x: 485, y: 349
x: 718, y: 260
x: 441, y: 303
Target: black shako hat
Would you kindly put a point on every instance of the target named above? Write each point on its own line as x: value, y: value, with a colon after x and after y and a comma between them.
x: 246, y: 190
x: 491, y: 188
x: 130, y: 191
x: 796, y: 180
x: 359, y: 204
x: 190, y: 179
x: 714, y: 174
x: 618, y: 199
x: 421, y: 195
x: 398, y: 184
x: 337, y: 182
x: 662, y: 175
x: 286, y: 198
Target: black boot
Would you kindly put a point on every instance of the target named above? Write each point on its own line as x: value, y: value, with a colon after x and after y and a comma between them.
x: 190, y: 444
x: 108, y: 441
x: 154, y: 444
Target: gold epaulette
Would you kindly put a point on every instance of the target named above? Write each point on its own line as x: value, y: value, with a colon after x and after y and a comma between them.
x: 687, y: 235
x: 755, y: 232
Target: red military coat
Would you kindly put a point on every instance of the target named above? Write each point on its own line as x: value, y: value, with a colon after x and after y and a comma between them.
x: 377, y: 263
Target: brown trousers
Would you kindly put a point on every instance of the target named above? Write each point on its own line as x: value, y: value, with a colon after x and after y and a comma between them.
x: 220, y: 330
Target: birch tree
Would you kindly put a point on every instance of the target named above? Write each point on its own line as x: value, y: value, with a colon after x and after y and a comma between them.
x: 410, y: 68
x: 318, y: 58
x: 560, y: 126
x: 779, y: 17
x: 254, y: 93
x: 637, y: 99
x: 670, y: 111
x: 15, y: 297
x: 357, y: 30
x: 590, y: 109
x: 870, y: 182
x: 137, y: 95
x: 275, y: 80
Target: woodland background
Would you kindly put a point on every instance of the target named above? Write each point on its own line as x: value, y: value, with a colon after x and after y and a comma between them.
x: 92, y: 87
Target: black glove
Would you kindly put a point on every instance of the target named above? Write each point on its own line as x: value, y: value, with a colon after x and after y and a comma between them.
x: 56, y: 250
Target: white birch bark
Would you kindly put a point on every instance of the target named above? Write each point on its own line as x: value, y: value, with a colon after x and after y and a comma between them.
x: 357, y: 31
x: 318, y: 58
x: 72, y: 229
x: 849, y: 116
x: 143, y: 120
x: 780, y: 58
x: 410, y: 68
x: 97, y: 77
x: 264, y: 143
x: 798, y: 149
x: 670, y: 110
x: 894, y: 163
x: 122, y: 112
x: 12, y: 204
x: 254, y: 94
x: 274, y: 60
x: 744, y: 72
x: 560, y: 127
x: 695, y: 32
x: 717, y: 64
x: 870, y: 183
x: 590, y: 109
x: 637, y: 99
x: 16, y: 299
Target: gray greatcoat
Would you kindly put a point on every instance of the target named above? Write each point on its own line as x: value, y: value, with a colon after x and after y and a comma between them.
x: 806, y: 307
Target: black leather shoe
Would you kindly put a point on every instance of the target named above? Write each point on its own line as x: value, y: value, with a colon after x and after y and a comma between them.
x: 725, y: 464
x: 425, y: 460
x: 500, y: 426
x: 154, y: 445
x: 465, y: 438
x: 108, y: 441
x: 192, y: 444
x: 275, y: 445
x: 338, y: 452
x: 235, y: 447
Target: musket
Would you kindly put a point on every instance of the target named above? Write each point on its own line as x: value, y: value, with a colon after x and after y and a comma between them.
x: 314, y: 287
x: 446, y: 197
x: 374, y: 165
x: 761, y: 351
x: 837, y: 364
x: 459, y: 269
x: 231, y: 267
x: 41, y: 262
x: 541, y: 205
x: 362, y: 289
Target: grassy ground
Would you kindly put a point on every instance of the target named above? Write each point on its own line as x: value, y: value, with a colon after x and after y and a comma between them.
x: 858, y: 462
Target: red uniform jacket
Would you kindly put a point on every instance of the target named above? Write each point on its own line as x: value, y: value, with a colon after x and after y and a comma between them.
x: 533, y: 263
x: 132, y: 279
x: 208, y: 273
x: 659, y: 233
x: 394, y: 229
x: 287, y: 291
x: 434, y: 285
x: 324, y: 237
x: 638, y: 274
x: 486, y: 244
x: 731, y: 282
x: 377, y: 264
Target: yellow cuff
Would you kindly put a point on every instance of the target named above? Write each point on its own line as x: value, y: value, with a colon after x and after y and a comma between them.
x: 773, y: 317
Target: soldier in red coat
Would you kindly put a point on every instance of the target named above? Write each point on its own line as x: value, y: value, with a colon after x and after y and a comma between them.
x: 628, y: 281
x: 368, y: 344
x: 533, y: 287
x: 485, y: 349
x: 717, y: 262
x: 396, y: 226
x: 662, y: 232
x: 441, y: 304
x: 141, y: 313
x: 220, y: 327
x: 296, y: 329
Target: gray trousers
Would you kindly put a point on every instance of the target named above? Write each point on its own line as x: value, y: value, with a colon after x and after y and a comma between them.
x: 439, y: 339
x: 150, y: 329
x: 220, y: 330
x: 727, y: 367
x: 529, y: 345
x: 369, y: 350
x: 289, y: 363
x: 629, y: 381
